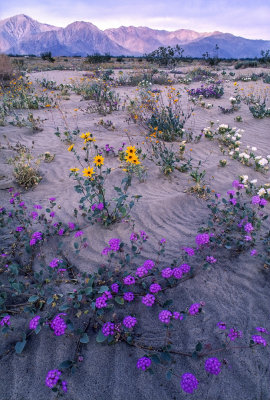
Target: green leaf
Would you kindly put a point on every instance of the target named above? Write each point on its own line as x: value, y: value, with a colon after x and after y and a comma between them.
x: 32, y: 299
x: 76, y: 245
x: 65, y: 364
x: 165, y: 356
x: 198, y: 346
x: 100, y: 337
x: 169, y: 375
x: 119, y: 300
x: 20, y: 346
x: 103, y: 289
x: 155, y: 358
x: 84, y: 338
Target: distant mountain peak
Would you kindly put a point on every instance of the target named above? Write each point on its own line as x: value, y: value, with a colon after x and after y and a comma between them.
x: 21, y: 34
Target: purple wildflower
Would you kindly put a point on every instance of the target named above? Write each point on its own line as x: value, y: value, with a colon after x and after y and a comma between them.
x: 255, y: 200
x: 211, y: 259
x: 71, y: 225
x: 253, y: 252
x: 5, y: 320
x: 36, y: 236
x: 177, y: 273
x: 129, y: 280
x: 141, y: 271
x: 149, y: 264
x: 194, y: 308
x: 259, y: 340
x: 61, y: 232
x: 189, y: 251
x: 185, y: 268
x: 101, y: 302
x: 143, y: 235
x: 133, y: 237
x: 128, y: 296
x: 155, y: 288
x: 115, y: 287
x: 148, y: 300
x: 248, y: 227
x: 58, y: 325
x: 34, y: 214
x: 19, y: 228
x: 221, y: 325
x: 144, y: 363
x: 53, y: 377
x: 189, y: 383
x: 165, y: 316
x: 37, y: 206
x: 167, y: 273
x: 78, y: 234
x: 263, y: 330
x: 54, y: 263
x: 64, y: 386
x: 129, y: 322
x: 108, y: 329
x: 52, y: 214
x: 202, y: 238
x: 114, y: 244
x: 234, y: 334
x: 34, y: 322
x: 213, y: 366
x: 52, y: 198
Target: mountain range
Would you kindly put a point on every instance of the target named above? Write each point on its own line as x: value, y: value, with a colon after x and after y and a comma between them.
x: 23, y: 35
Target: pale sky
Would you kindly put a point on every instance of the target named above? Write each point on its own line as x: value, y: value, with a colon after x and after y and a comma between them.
x: 247, y: 18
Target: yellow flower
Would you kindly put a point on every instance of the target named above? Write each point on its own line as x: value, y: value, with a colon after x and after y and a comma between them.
x: 88, y: 172
x: 235, y: 83
x: 136, y: 161
x: 131, y: 150
x: 47, y: 105
x: 99, y: 160
x: 71, y: 147
x: 89, y: 139
x: 74, y: 169
x: 75, y: 109
x: 85, y: 135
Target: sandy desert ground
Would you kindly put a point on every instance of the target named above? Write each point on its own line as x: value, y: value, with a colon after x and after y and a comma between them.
x: 235, y: 289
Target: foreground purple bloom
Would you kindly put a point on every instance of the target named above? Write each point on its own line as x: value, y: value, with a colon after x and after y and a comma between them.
x: 115, y: 287
x: 108, y: 329
x: 189, y: 251
x: 213, y: 366
x: 129, y: 280
x: 221, y: 325
x: 202, y: 238
x: 144, y: 363
x: 189, y: 383
x: 5, y: 320
x: 114, y: 244
x: 53, y: 377
x: 259, y: 340
x: 148, y: 300
x: 165, y: 316
x: 128, y: 296
x: 194, y: 308
x: 58, y: 325
x: 34, y: 322
x: 234, y: 334
x: 129, y: 321
x: 78, y: 234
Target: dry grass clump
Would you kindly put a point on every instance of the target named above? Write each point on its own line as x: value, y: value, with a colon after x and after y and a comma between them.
x: 6, y: 69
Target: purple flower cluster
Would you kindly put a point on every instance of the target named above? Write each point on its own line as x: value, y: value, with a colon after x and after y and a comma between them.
x: 210, y: 91
x: 189, y: 251
x: 194, y: 308
x: 114, y: 245
x: 189, y: 383
x: 259, y: 340
x: 248, y: 227
x: 34, y: 322
x: 213, y: 366
x: 108, y: 329
x: 53, y: 377
x: 148, y: 300
x: 129, y: 321
x: 258, y: 200
x: 221, y: 325
x: 5, y: 320
x: 165, y: 316
x: 128, y: 296
x: 234, y: 334
x: 36, y: 236
x: 101, y: 301
x: 54, y: 263
x: 155, y: 288
x: 58, y: 325
x: 202, y: 238
x: 98, y: 206
x: 115, y: 287
x: 211, y: 259
x: 144, y: 363
x: 134, y: 237
x: 129, y: 280
x: 143, y: 235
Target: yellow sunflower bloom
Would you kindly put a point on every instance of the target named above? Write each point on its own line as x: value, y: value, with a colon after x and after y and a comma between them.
x: 89, y: 139
x: 131, y: 150
x: 74, y: 169
x: 88, y: 172
x: 99, y: 160
x: 71, y: 147
x: 85, y: 135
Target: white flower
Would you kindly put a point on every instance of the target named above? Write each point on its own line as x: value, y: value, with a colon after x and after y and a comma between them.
x: 254, y: 148
x: 244, y: 178
x: 254, y: 181
x: 268, y: 157
x: 238, y: 142
x: 261, y: 192
x: 248, y: 146
x: 231, y: 153
x: 258, y: 157
x: 268, y: 192
x: 263, y: 162
x: 237, y: 149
